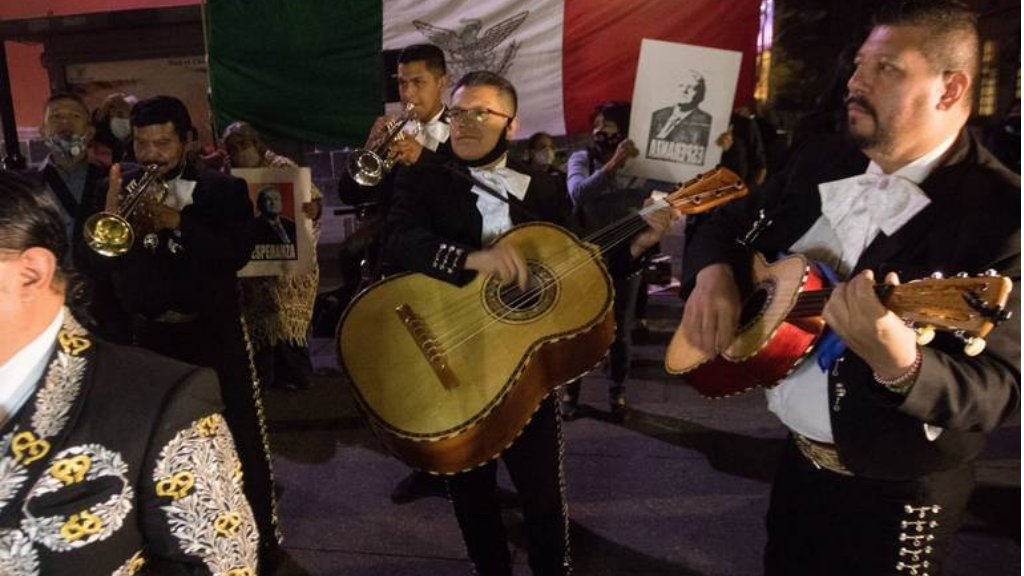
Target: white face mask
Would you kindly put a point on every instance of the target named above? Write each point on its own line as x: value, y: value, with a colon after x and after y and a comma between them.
x: 121, y: 128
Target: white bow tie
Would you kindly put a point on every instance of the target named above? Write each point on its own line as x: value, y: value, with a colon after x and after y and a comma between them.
x: 494, y: 212
x: 504, y: 180
x: 860, y: 207
x: 436, y: 133
x: 889, y: 200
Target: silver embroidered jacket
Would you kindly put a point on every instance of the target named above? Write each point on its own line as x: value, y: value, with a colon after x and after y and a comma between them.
x: 120, y: 463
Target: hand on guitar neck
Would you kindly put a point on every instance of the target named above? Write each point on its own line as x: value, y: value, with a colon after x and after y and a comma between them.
x: 502, y: 260
x: 871, y: 330
x: 658, y: 224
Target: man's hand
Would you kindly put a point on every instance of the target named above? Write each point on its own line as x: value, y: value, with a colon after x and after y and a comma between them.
x: 502, y: 260
x: 623, y: 152
x: 724, y: 140
x: 406, y: 151
x: 113, y: 189
x: 658, y: 223
x: 875, y: 333
x: 377, y: 132
x: 712, y: 311
x: 158, y: 216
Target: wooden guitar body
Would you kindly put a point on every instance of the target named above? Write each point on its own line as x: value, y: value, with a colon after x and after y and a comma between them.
x: 449, y: 376
x: 768, y: 346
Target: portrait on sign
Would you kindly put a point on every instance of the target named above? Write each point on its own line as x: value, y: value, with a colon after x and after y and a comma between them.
x: 281, y: 230
x: 682, y: 101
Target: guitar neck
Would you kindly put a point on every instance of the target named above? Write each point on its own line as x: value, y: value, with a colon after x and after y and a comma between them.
x: 614, y: 234
x: 810, y: 304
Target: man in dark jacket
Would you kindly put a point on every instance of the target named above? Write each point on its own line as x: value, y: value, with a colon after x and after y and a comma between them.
x: 884, y: 432
x: 179, y: 280
x: 113, y: 458
x: 443, y: 223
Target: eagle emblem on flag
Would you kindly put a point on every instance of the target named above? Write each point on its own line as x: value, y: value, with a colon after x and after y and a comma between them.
x: 467, y: 49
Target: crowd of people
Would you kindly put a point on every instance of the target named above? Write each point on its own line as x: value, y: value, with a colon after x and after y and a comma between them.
x: 134, y: 367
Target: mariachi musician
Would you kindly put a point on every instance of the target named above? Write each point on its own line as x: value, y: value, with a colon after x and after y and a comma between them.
x: 422, y: 79
x: 178, y: 280
x: 442, y: 219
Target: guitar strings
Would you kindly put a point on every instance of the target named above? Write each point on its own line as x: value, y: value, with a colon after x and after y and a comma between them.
x: 615, y: 233
x: 628, y: 231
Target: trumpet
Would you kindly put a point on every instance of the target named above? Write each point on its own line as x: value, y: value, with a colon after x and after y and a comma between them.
x: 367, y: 166
x: 111, y: 233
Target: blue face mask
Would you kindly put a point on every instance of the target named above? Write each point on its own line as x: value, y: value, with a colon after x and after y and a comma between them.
x: 66, y: 146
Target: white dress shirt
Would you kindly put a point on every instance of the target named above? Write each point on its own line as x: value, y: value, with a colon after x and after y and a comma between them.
x: 494, y: 212
x: 19, y: 376
x: 180, y: 193
x: 854, y: 211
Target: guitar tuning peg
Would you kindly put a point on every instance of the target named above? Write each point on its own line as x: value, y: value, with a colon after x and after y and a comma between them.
x: 990, y: 272
x: 962, y: 275
x: 974, y: 346
x: 925, y: 335
x: 937, y: 275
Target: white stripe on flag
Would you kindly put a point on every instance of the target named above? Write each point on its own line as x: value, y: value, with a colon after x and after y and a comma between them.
x: 522, y: 40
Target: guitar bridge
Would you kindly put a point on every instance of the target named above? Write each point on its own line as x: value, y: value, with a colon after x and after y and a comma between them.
x: 430, y: 348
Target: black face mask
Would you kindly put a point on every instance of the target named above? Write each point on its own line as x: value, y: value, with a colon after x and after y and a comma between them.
x: 500, y: 148
x: 605, y: 143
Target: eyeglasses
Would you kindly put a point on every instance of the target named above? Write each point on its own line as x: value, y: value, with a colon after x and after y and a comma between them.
x: 476, y: 115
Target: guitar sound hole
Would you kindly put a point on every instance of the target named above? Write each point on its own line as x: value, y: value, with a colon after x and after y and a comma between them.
x: 514, y: 298
x: 755, y: 305
x: 511, y: 304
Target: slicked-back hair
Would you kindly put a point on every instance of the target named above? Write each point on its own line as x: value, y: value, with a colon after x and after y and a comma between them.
x: 952, y: 31
x: 30, y: 218
x: 161, y: 110
x: 431, y: 56
x: 486, y: 78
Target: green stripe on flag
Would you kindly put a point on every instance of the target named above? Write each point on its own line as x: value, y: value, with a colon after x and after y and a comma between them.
x: 303, y: 69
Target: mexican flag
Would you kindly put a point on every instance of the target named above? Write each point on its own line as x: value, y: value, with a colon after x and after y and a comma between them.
x: 314, y: 70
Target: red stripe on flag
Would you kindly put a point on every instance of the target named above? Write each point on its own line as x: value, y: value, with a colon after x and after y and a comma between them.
x: 601, y: 45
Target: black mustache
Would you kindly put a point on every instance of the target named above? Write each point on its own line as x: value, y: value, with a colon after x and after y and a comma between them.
x: 862, y: 102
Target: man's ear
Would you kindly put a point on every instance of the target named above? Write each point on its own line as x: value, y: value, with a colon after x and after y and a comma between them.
x: 37, y: 272
x: 956, y: 85
x: 512, y: 128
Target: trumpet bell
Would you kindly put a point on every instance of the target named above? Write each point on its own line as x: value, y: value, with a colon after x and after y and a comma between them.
x: 108, y: 234
x: 366, y: 167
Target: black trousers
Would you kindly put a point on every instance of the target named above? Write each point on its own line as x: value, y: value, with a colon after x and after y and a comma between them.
x: 624, y: 310
x: 219, y: 343
x: 820, y: 522
x: 626, y: 290
x: 534, y: 464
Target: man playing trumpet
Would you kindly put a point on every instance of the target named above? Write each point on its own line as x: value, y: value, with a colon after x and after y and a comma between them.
x: 178, y: 281
x: 422, y: 78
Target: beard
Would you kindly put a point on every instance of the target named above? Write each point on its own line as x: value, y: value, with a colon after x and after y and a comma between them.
x: 879, y: 138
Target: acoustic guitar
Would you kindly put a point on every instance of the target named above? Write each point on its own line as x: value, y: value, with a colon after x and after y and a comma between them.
x: 449, y: 376
x: 780, y: 323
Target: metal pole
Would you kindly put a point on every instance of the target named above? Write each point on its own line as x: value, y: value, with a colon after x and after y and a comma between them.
x: 12, y: 158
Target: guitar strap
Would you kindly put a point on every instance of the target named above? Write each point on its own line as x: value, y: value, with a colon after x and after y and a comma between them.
x: 512, y: 201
